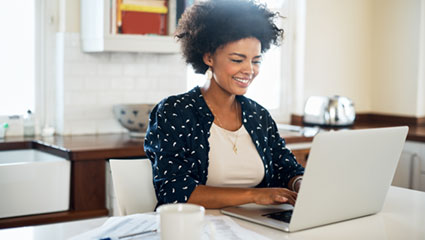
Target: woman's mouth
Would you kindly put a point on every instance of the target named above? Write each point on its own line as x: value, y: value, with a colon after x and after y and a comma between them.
x: 242, y: 80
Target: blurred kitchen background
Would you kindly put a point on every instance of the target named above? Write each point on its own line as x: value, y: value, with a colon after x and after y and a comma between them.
x: 371, y: 51
x: 70, y: 62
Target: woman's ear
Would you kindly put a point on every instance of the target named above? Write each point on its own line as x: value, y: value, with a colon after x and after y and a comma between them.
x: 207, y: 58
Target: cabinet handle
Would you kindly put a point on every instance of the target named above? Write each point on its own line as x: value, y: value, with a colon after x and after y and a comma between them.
x: 412, y: 169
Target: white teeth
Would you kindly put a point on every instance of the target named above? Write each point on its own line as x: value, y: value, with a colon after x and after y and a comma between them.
x: 241, y: 80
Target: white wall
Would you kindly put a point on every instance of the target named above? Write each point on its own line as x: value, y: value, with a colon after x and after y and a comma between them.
x: 395, y: 48
x: 70, y: 15
x: 421, y: 74
x: 337, y: 50
x: 370, y: 51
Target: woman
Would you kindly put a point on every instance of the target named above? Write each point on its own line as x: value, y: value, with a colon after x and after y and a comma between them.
x: 212, y: 146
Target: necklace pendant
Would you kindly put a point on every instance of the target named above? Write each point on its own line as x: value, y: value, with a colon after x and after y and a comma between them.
x: 235, y: 149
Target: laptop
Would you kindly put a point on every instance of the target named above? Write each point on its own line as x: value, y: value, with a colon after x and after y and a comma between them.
x: 347, y: 176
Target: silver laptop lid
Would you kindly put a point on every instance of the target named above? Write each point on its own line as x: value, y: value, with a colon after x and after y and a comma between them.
x: 348, y: 175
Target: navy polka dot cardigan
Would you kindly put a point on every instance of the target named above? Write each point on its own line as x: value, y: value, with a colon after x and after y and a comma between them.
x: 177, y: 145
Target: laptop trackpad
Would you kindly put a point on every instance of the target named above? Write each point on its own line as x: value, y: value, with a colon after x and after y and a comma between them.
x: 269, y: 215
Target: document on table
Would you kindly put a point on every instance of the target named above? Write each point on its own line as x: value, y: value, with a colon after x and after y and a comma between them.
x: 217, y: 228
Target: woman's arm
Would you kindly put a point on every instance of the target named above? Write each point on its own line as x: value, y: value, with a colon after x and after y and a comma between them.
x: 219, y: 197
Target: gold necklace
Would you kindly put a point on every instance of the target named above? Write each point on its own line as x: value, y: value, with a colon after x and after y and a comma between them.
x: 235, y: 148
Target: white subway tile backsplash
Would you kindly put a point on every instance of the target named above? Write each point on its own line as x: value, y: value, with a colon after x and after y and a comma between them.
x: 109, y: 126
x: 145, y: 83
x: 155, y: 97
x: 74, y: 83
x: 100, y: 58
x: 99, y: 112
x: 73, y: 113
x: 97, y: 83
x: 123, y: 58
x: 166, y: 58
x: 123, y: 83
x: 147, y: 58
x: 135, y: 69
x: 136, y: 97
x: 110, y: 97
x: 94, y: 82
x: 80, y: 127
x: 110, y: 69
x: 80, y: 98
x: 72, y: 54
x: 80, y: 69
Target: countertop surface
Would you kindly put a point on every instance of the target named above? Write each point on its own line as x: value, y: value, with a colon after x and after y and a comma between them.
x: 395, y: 221
x: 122, y: 145
x: 81, y: 147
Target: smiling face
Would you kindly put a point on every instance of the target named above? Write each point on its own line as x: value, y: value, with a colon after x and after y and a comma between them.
x: 235, y: 65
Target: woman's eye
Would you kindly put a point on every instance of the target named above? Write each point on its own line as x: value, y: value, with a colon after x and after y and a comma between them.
x: 236, y: 60
x: 256, y: 62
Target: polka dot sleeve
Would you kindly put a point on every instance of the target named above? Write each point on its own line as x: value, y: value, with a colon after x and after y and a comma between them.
x: 285, y: 164
x: 174, y: 171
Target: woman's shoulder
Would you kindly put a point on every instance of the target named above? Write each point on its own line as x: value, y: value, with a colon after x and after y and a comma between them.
x: 180, y: 101
x: 180, y: 104
x: 251, y: 106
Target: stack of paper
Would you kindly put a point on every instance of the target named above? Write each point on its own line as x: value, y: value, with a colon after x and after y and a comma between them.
x: 216, y: 228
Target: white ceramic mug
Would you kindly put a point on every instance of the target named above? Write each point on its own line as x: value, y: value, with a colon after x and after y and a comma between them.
x: 181, y: 221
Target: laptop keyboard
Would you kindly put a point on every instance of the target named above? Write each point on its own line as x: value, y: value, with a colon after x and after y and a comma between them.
x: 284, y: 216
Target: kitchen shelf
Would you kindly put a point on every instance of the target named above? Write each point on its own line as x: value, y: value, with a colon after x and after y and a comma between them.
x: 96, y: 34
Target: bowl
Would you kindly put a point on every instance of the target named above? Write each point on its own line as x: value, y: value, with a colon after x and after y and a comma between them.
x: 133, y: 117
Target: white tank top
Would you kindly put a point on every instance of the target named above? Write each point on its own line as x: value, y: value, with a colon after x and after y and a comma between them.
x: 229, y: 169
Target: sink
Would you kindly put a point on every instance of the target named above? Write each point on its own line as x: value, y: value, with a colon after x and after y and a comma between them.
x: 33, y: 182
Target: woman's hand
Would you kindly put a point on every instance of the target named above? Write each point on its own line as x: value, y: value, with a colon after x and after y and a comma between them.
x: 266, y: 196
x: 219, y: 197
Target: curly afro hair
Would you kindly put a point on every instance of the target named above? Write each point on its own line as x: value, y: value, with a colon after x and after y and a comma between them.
x: 207, y: 25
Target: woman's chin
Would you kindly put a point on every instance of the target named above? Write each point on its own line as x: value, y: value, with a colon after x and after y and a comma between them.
x: 240, y: 91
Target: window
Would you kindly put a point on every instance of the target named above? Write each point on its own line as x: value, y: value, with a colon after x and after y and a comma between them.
x: 269, y: 87
x: 17, y: 59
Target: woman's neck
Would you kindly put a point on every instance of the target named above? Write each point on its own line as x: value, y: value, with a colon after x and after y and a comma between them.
x: 223, y: 106
x: 217, y: 96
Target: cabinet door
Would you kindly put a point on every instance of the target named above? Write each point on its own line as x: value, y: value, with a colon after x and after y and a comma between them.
x: 410, y: 172
x: 403, y: 176
x: 301, y: 155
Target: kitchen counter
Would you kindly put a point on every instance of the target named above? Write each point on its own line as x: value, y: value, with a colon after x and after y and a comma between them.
x: 80, y: 147
x: 89, y: 153
x: 86, y: 147
x: 416, y: 125
x: 416, y: 133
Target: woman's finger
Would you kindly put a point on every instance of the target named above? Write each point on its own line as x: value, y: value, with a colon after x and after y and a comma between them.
x: 280, y: 199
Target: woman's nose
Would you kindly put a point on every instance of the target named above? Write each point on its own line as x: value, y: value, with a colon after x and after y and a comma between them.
x: 248, y: 68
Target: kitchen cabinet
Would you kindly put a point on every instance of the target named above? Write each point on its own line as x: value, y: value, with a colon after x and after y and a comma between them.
x: 410, y: 171
x: 301, y: 155
x: 88, y: 156
x: 97, y: 36
x: 111, y: 199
